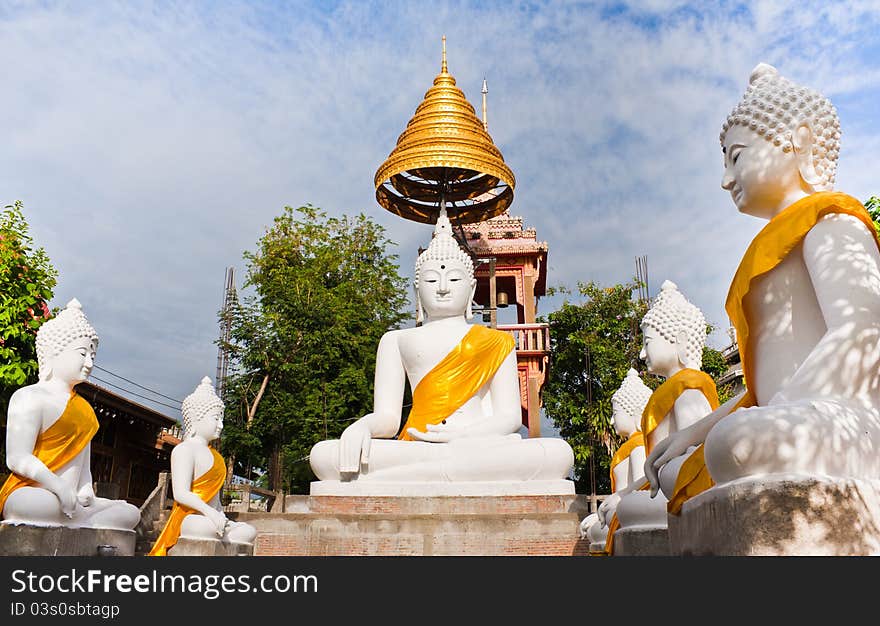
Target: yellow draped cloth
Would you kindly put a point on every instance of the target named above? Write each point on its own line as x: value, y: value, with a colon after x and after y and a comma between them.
x: 60, y: 443
x: 635, y: 440
x: 456, y: 378
x: 205, y: 487
x: 664, y: 397
x: 770, y: 246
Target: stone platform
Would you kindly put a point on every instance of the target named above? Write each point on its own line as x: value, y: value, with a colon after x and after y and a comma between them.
x: 27, y: 540
x: 641, y: 542
x: 185, y: 546
x: 780, y: 516
x: 517, y: 525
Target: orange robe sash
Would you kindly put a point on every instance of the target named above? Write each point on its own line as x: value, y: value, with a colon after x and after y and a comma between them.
x: 60, y: 443
x: 663, y: 399
x: 205, y: 487
x: 635, y: 440
x: 768, y: 249
x: 456, y: 378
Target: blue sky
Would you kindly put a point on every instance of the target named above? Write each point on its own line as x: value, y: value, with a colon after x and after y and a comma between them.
x: 152, y: 143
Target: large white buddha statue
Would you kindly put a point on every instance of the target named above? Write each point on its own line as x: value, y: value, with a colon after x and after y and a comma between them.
x: 674, y: 334
x: 462, y: 427
x: 49, y: 429
x: 805, y: 302
x: 198, y: 472
x: 627, y: 463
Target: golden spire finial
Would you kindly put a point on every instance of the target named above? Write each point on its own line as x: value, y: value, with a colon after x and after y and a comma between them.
x: 445, y: 157
x: 484, y: 91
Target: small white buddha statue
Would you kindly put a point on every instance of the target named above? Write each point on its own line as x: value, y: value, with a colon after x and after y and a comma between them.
x: 198, y: 472
x: 674, y: 334
x: 466, y: 400
x: 805, y: 302
x: 627, y: 464
x: 49, y: 429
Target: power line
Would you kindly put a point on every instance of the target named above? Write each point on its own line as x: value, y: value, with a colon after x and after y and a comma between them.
x: 137, y: 385
x: 133, y: 393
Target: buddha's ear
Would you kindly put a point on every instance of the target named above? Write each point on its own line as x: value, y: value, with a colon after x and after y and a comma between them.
x: 681, y: 344
x: 420, y: 317
x: 45, y: 372
x: 469, y: 312
x: 802, y: 140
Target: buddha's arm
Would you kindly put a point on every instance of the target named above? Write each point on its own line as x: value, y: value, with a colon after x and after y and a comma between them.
x: 384, y: 421
x: 389, y: 384
x: 85, y: 493
x: 182, y: 469
x: 690, y: 407
x: 22, y: 429
x: 504, y: 392
x: 844, y: 265
x: 677, y: 443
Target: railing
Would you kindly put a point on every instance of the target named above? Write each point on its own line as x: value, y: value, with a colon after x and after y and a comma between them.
x: 529, y: 337
x: 269, y: 501
x: 155, y: 503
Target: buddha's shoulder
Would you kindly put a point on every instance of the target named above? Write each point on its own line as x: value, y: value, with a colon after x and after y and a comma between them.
x: 30, y: 394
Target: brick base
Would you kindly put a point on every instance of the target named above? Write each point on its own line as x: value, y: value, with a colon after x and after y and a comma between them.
x: 441, y: 526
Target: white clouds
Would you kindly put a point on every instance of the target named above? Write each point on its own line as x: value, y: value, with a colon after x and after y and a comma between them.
x: 153, y: 143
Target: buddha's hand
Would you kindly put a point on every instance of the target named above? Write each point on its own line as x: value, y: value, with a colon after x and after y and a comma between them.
x: 664, y: 451
x: 67, y: 498
x: 437, y: 433
x: 606, y: 509
x: 354, y: 448
x: 86, y: 495
x: 219, y: 520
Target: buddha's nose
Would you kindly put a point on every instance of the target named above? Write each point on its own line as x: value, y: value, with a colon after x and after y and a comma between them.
x: 643, y: 354
x: 727, y: 181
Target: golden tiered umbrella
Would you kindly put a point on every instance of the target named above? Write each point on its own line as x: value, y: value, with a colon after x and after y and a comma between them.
x: 445, y: 157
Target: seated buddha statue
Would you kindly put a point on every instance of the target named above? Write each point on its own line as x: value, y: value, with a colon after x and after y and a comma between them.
x: 466, y: 399
x: 805, y: 303
x: 674, y: 334
x: 627, y: 464
x: 49, y: 429
x: 198, y: 472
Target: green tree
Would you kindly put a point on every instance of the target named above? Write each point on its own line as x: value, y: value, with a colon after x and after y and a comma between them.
x: 27, y: 279
x: 592, y: 345
x: 303, y: 348
x: 873, y: 206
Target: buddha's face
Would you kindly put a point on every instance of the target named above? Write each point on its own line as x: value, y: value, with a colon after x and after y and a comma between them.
x: 659, y: 354
x: 759, y: 175
x: 624, y: 424
x: 75, y: 362
x: 445, y: 289
x: 210, y: 425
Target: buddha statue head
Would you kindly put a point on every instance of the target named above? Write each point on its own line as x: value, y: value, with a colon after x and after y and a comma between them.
x: 628, y: 403
x: 202, y: 412
x: 674, y: 333
x: 445, y: 282
x: 780, y: 140
x: 66, y: 346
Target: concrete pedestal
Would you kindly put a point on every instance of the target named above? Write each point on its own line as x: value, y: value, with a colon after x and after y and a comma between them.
x: 209, y: 547
x: 27, y: 540
x: 352, y: 525
x: 780, y: 516
x: 641, y: 541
